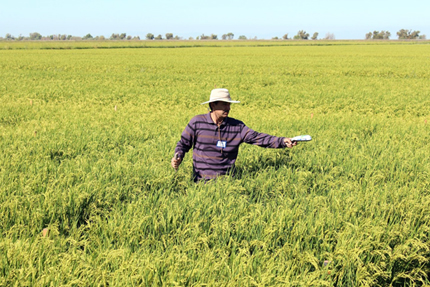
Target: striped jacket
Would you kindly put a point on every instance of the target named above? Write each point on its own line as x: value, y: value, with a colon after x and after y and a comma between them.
x: 215, y: 148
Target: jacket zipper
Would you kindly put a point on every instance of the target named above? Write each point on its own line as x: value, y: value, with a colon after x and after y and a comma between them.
x: 219, y: 137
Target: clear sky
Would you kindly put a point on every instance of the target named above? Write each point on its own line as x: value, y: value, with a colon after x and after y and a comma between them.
x: 264, y: 19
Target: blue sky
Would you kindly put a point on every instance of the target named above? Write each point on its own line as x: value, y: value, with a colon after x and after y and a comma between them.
x: 349, y: 19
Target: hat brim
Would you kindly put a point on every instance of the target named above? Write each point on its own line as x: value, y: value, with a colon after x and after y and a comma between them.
x: 220, y: 100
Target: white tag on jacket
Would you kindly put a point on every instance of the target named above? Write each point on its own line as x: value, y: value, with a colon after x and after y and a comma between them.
x: 221, y: 144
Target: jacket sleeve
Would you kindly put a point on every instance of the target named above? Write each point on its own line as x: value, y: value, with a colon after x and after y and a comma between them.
x: 263, y: 140
x: 187, y: 140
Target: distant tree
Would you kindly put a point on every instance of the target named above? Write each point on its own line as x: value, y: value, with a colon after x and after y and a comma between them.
x: 214, y: 37
x: 386, y: 35
x: 136, y: 38
x: 177, y: 37
x: 285, y: 37
x: 102, y: 38
x: 230, y: 36
x: 403, y: 34
x: 114, y: 36
x: 69, y: 37
x: 329, y: 36
x: 204, y: 37
x: 408, y: 34
x: 191, y: 38
x: 415, y: 35
x: 422, y: 37
x: 301, y: 35
x: 315, y: 36
x: 9, y: 37
x: 242, y: 37
x: 376, y: 35
x: 275, y: 38
x: 35, y: 36
x: 20, y: 37
x: 149, y: 36
x: 169, y: 36
x: 63, y: 37
x: 197, y: 38
x: 123, y: 36
x: 87, y: 37
x: 224, y: 37
x: 159, y: 37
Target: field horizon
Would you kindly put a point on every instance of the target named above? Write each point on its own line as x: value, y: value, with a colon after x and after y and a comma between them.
x: 140, y: 44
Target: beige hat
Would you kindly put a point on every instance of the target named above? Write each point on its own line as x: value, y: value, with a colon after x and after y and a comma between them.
x: 220, y: 95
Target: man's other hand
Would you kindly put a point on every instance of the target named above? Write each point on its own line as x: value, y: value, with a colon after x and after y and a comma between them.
x: 176, y: 162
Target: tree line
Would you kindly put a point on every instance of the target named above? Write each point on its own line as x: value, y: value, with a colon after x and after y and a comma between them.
x: 303, y: 35
x: 402, y: 34
x: 168, y: 36
x: 63, y: 37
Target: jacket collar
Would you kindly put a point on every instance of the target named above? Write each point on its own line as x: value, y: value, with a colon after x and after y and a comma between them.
x: 210, y: 121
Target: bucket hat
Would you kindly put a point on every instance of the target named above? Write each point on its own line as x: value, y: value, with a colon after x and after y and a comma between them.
x: 220, y: 95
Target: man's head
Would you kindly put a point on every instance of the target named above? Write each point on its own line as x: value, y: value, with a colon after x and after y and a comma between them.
x: 220, y: 109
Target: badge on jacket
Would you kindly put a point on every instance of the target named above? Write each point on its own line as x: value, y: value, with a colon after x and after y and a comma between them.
x: 221, y: 144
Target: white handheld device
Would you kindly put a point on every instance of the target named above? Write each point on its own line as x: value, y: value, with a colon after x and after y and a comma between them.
x: 304, y: 138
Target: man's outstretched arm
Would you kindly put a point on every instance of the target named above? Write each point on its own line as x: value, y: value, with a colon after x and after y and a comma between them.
x: 264, y: 140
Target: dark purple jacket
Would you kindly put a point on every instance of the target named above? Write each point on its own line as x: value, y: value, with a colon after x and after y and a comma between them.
x: 215, y: 149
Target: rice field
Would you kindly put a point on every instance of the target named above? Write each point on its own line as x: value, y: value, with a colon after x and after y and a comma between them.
x: 88, y: 196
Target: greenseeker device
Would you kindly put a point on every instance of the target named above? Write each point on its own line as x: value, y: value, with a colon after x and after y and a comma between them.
x: 304, y: 138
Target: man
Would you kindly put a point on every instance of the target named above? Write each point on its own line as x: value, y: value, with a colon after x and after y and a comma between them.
x: 215, y: 139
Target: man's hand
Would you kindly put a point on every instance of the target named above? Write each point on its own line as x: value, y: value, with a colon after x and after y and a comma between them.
x: 176, y: 161
x: 289, y: 143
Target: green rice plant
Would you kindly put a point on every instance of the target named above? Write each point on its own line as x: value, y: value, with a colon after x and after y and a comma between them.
x: 86, y: 138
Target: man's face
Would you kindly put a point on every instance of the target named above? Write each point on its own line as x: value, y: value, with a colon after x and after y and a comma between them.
x: 221, y: 109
